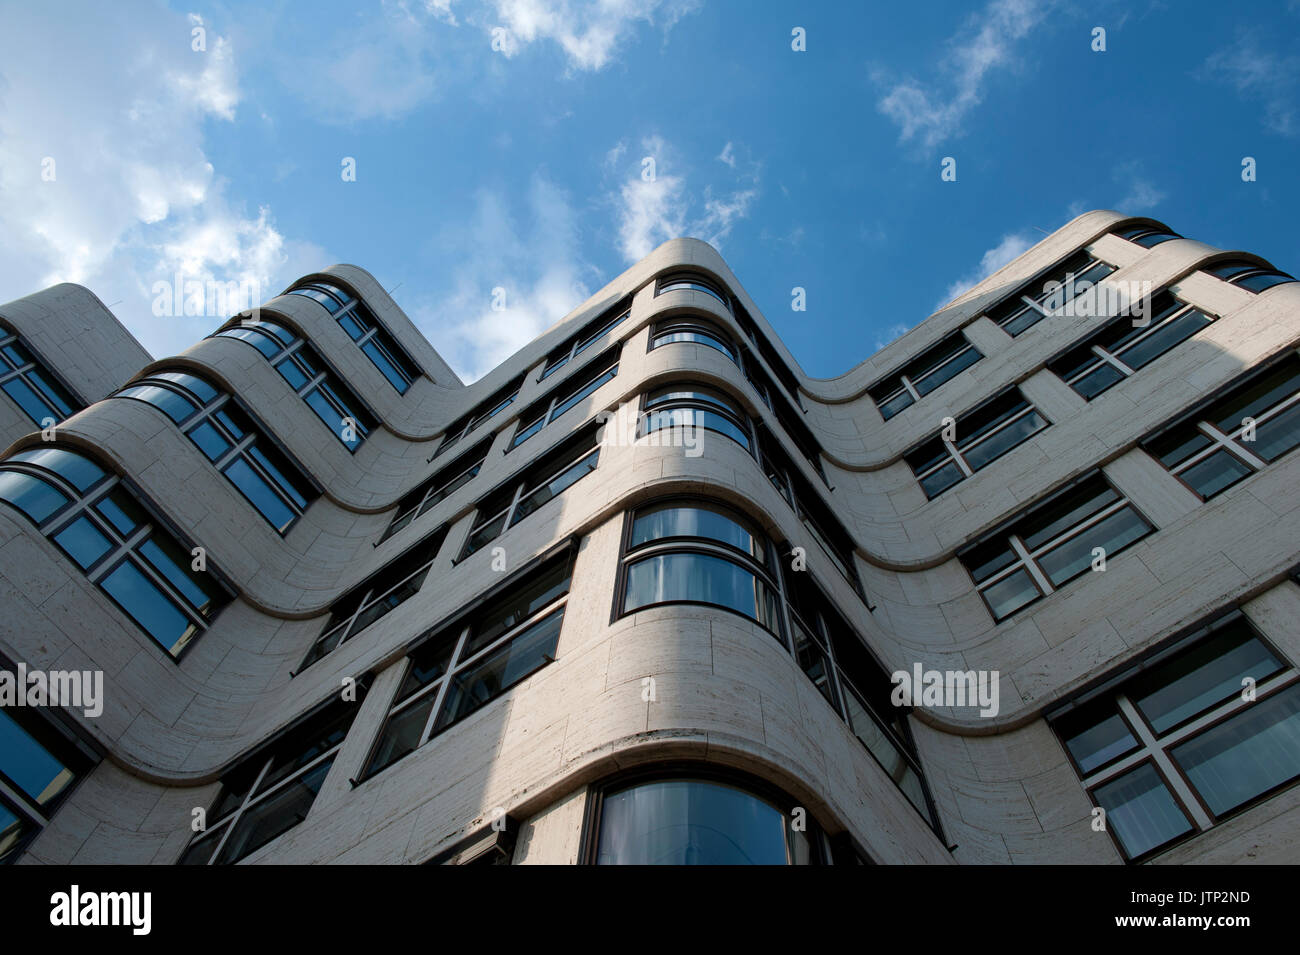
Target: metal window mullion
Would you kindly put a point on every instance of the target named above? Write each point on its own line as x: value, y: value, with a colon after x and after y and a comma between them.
x: 453, y: 666
x: 236, y: 449
x: 980, y: 439
x: 1230, y: 707
x: 533, y: 618
x: 121, y: 546
x: 266, y: 476
x: 239, y: 810
x: 311, y: 385
x: 908, y: 387
x: 1173, y: 778
x: 23, y: 803
x: 59, y: 522
x: 1077, y: 529
x: 956, y: 457
x: 1113, y: 360
x: 1031, y: 565
x: 1221, y: 440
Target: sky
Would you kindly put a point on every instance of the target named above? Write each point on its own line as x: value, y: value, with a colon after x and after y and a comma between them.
x: 457, y: 147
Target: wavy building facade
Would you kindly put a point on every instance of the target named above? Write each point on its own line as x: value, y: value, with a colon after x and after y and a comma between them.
x: 641, y: 592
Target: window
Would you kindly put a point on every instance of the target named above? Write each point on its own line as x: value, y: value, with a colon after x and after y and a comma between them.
x: 590, y: 335
x: 493, y: 406
x: 927, y: 371
x: 774, y: 361
x: 302, y: 367
x: 32, y: 385
x: 1146, y: 235
x: 539, y: 483
x: 110, y: 532
x: 1048, y: 292
x: 1248, y: 275
x: 273, y: 790
x: 697, y: 331
x: 1121, y: 347
x: 40, y: 763
x: 694, y: 281
x: 1055, y: 542
x: 438, y: 488
x: 689, y: 819
x: 816, y: 517
x: 375, y: 597
x: 538, y: 416
x: 694, y: 406
x: 460, y: 667
x: 232, y: 440
x: 699, y: 553
x: 1236, y: 434
x: 1002, y: 423
x: 1176, y: 747
x: 363, y: 328
x: 690, y: 551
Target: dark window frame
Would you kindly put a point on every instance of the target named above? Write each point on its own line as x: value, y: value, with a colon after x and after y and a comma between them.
x: 350, y: 305
x: 11, y: 370
x: 919, y: 369
x: 587, y: 336
x: 548, y: 409
x: 415, y: 503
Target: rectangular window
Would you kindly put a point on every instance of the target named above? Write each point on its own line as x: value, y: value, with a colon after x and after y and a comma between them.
x: 537, y: 417
x: 34, y: 388
x: 458, y: 668
x: 1119, y: 348
x: 376, y: 596
x: 40, y: 762
x: 1055, y: 542
x: 811, y: 510
x: 942, y: 361
x: 436, y: 489
x: 273, y: 790
x: 539, y: 483
x: 1236, y: 434
x: 368, y: 332
x: 774, y: 361
x: 1173, y: 749
x: 232, y: 440
x: 981, y: 436
x: 1048, y: 292
x: 590, y: 334
x: 493, y: 406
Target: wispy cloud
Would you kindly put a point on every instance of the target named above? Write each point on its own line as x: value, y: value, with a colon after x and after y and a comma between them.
x: 1011, y: 245
x: 131, y: 196
x: 1259, y: 74
x: 533, y: 257
x: 589, y: 33
x: 1140, y: 195
x: 931, y: 113
x: 654, y: 205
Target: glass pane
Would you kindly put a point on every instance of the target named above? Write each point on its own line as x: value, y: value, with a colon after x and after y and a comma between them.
x: 169, y: 402
x: 939, y: 481
x: 1203, y: 676
x: 260, y: 494
x: 689, y: 822
x: 527, y: 431
x: 925, y: 385
x: 33, y: 404
x: 80, y: 472
x: 517, y: 606
x: 166, y: 557
x: 31, y: 495
x: 1257, y: 396
x: 1069, y: 510
x: 389, y: 601
x: 1140, y: 811
x: 275, y: 815
x: 999, y: 444
x: 209, y: 440
x: 1023, y: 320
x: 200, y: 850
x: 1163, y: 339
x: 1278, y: 435
x: 121, y: 510
x: 401, y: 733
x: 1075, y: 556
x: 332, y: 418
x: 385, y: 364
x: 1263, y: 280
x: 1246, y: 756
x: 696, y: 336
x: 1095, y: 734
x: 485, y: 533
x: 699, y: 578
x: 1095, y: 382
x: 13, y: 832
x: 1010, y: 594
x: 680, y: 520
x: 29, y: 765
x: 1216, y: 473
x: 156, y: 614
x: 291, y: 373
x: 83, y: 542
x: 892, y: 406
x: 279, y: 470
x: 501, y: 669
x: 694, y: 418
x: 1178, y: 444
x: 554, y: 487
x: 201, y: 390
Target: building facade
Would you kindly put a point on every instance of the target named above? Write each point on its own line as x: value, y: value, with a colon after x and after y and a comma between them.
x: 1019, y: 588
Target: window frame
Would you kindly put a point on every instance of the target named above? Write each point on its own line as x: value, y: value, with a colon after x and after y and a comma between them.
x: 465, y: 425
x: 435, y: 485
x: 1155, y: 748
x: 1251, y: 270
x: 1033, y: 304
x: 907, y: 378
x: 727, y: 407
x: 238, y: 448
x: 680, y: 279
x: 350, y: 304
x: 530, y: 422
x: 1145, y: 231
x: 585, y: 338
x: 35, y: 364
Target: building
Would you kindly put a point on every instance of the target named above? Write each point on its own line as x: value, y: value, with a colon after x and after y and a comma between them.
x: 648, y: 577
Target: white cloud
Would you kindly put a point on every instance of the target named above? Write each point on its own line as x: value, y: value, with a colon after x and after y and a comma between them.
x: 534, y: 259
x: 589, y: 32
x: 1012, y: 245
x: 133, y: 197
x: 1259, y: 74
x: 728, y: 155
x: 986, y: 42
x: 653, y: 210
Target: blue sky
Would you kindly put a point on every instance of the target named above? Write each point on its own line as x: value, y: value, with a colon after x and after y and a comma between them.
x: 500, y: 143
